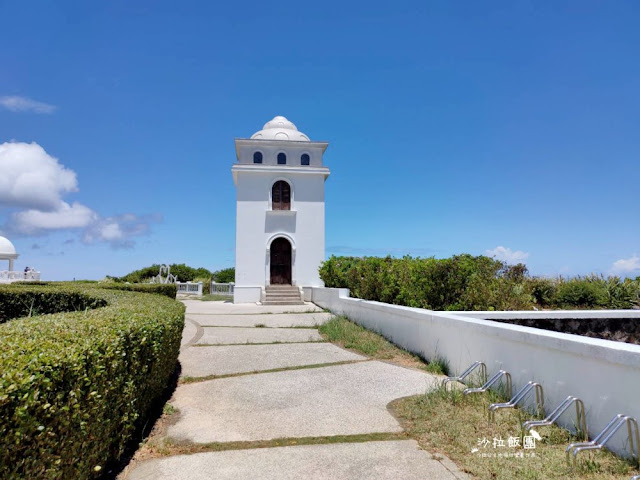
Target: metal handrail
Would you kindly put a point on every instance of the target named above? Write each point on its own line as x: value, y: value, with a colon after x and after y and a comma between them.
x: 467, y: 372
x: 499, y: 374
x: 605, y: 435
x: 581, y: 419
x: 521, y: 395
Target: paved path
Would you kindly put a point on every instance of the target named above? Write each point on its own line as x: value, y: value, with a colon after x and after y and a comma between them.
x: 257, y: 374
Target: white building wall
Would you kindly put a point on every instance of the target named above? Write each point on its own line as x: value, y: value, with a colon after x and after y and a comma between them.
x: 257, y: 226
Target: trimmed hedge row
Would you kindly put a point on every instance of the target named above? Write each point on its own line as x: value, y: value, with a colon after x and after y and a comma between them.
x: 74, y: 386
x: 168, y: 289
x: 26, y: 302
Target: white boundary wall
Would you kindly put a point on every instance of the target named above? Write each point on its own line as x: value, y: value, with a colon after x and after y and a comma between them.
x: 603, y: 373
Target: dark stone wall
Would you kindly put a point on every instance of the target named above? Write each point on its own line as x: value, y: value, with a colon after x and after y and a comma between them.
x: 617, y: 329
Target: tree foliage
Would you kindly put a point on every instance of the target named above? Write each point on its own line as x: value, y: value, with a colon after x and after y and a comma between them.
x: 180, y: 270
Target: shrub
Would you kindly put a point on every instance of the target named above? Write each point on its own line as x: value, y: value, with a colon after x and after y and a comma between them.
x: 465, y: 282
x: 226, y: 275
x: 206, y: 284
x: 543, y: 290
x: 74, y: 386
x: 623, y: 293
x: 20, y: 301
x: 180, y: 270
x: 462, y: 282
x: 168, y: 289
x: 582, y: 292
x: 334, y: 271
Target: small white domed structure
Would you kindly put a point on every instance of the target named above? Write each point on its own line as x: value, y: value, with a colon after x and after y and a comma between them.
x: 279, y: 128
x: 7, y: 248
x: 7, y: 251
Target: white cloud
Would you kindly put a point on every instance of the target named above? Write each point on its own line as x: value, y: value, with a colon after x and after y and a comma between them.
x: 34, y: 222
x: 118, y: 230
x: 35, y: 182
x: 31, y: 178
x: 626, y: 265
x: 16, y: 103
x: 507, y: 255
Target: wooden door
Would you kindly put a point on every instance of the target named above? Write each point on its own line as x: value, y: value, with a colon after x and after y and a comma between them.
x: 280, y: 262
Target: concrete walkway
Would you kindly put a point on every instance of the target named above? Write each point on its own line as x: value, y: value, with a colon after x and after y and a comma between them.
x: 260, y: 374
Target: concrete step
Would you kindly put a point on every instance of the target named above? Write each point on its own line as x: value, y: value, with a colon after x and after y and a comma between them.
x: 289, y: 295
x: 284, y: 299
x: 296, y: 301
x: 282, y: 295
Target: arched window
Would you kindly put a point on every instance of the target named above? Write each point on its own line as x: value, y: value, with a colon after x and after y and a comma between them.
x: 304, y: 160
x: 257, y: 157
x: 282, y: 159
x: 281, y: 196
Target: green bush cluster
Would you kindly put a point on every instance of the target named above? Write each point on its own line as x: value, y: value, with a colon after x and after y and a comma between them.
x: 226, y: 275
x: 593, y: 291
x: 180, y: 270
x: 75, y: 386
x: 184, y: 273
x: 465, y: 282
x: 168, y: 289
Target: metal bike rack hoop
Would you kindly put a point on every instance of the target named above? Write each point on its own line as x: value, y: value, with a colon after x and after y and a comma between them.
x: 633, y: 436
x: 520, y: 396
x: 581, y: 419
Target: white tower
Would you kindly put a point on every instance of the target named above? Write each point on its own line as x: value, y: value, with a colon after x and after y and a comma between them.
x: 279, y: 182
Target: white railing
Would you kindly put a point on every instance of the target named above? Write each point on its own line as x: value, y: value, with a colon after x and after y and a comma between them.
x: 224, y: 289
x: 7, y: 276
x: 189, y: 288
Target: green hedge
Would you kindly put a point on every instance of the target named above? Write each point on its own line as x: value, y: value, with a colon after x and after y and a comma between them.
x: 465, y: 282
x: 168, y: 289
x: 75, y: 386
x: 21, y: 301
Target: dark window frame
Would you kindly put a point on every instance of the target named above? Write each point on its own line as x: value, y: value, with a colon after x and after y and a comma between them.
x: 281, y: 195
x: 282, y: 158
x: 257, y: 156
x: 305, y: 159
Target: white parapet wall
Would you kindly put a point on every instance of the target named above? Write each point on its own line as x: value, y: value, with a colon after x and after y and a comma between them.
x: 189, y: 288
x: 7, y: 276
x: 603, y: 373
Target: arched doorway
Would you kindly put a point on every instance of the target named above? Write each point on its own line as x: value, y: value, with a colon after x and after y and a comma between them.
x: 280, y: 255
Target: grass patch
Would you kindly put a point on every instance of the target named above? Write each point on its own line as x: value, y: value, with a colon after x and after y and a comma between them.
x: 214, y: 298
x: 189, y: 379
x: 452, y: 424
x: 438, y: 365
x: 166, y: 447
x: 343, y: 332
x: 277, y: 342
x: 169, y: 409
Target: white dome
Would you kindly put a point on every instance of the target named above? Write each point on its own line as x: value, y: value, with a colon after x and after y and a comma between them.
x: 6, y: 247
x: 280, y: 129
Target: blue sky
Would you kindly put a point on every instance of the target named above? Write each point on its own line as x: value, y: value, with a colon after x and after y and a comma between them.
x: 453, y: 127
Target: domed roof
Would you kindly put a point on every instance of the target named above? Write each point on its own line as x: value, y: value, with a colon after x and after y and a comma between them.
x: 280, y: 129
x: 6, y: 247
